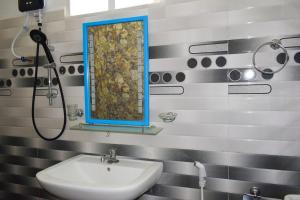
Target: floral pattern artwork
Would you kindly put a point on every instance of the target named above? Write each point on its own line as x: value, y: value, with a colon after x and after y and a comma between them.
x: 118, y: 71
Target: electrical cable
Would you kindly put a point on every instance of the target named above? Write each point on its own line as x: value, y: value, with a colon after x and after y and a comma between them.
x: 23, y: 29
x: 34, y: 96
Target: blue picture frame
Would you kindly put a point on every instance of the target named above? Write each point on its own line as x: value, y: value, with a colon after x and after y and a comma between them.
x: 88, y: 118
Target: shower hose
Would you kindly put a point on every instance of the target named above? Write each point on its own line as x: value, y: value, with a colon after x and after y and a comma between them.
x: 34, y: 96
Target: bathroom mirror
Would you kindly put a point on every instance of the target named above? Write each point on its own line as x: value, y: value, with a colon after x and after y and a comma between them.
x: 116, y: 72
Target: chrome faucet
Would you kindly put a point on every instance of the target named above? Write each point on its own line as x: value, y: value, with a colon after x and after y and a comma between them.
x: 111, y: 158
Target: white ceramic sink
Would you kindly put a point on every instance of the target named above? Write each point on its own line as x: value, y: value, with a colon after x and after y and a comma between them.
x: 84, y: 177
x: 292, y: 197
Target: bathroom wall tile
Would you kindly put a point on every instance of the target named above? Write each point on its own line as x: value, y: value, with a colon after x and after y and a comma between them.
x: 265, y: 176
x: 27, y: 122
x: 68, y: 47
x: 244, y: 60
x: 279, y: 148
x: 200, y: 20
x: 188, y: 36
x: 206, y: 90
x: 250, y: 132
x: 250, y: 4
x: 196, y: 7
x: 263, y: 103
x: 285, y: 89
x: 41, y: 112
x: 51, y: 27
x: 291, y: 8
x: 256, y: 14
x: 198, y: 130
x: 18, y: 21
x: 193, y: 116
x: 161, y: 140
x: 250, y: 103
x: 168, y: 64
x: 268, y: 118
x: 244, y: 132
x: 179, y: 103
x: 274, y: 28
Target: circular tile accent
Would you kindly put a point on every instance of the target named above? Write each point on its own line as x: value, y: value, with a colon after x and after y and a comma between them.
x: 267, y: 76
x: 46, y: 81
x: 62, y: 70
x: 221, y: 61
x: 281, y: 58
x: 206, y: 62
x: 180, y: 77
x: 1, y: 83
x: 14, y: 73
x: 234, y: 75
x: 30, y: 72
x: 22, y: 72
x: 8, y: 83
x: 167, y: 77
x: 80, y: 69
x: 192, y: 63
x: 38, y: 82
x: 71, y: 69
x: 154, y: 77
x: 297, y: 57
x: 55, y: 81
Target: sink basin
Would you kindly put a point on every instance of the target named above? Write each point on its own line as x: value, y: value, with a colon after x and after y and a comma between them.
x: 292, y: 197
x: 85, y: 177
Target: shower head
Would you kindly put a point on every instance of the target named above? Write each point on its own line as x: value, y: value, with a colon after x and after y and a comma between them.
x: 39, y: 37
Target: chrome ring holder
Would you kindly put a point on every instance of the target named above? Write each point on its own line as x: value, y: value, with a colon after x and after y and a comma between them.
x: 274, y: 44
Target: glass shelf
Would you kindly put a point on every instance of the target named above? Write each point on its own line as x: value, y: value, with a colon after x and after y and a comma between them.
x: 152, y: 130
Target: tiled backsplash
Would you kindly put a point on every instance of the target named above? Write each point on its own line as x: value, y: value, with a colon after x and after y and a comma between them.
x: 244, y: 140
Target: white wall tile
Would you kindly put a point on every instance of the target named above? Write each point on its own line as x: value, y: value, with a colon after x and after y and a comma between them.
x: 283, y: 133
x: 267, y: 118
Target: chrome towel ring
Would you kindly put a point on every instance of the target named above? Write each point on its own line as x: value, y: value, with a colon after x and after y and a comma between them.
x: 274, y: 44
